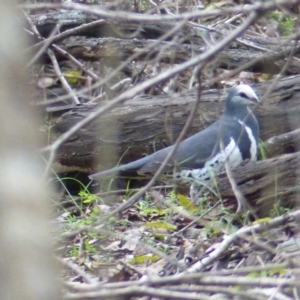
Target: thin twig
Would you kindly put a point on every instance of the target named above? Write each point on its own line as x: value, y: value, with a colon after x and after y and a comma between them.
x: 60, y: 76
x: 72, y: 266
x: 241, y: 232
x: 259, y: 6
x: 70, y: 32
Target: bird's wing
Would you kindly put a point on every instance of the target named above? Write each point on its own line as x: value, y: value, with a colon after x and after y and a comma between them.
x: 196, y: 150
x: 191, y: 153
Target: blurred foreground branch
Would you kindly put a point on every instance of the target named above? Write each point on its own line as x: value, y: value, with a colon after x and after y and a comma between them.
x: 27, y: 268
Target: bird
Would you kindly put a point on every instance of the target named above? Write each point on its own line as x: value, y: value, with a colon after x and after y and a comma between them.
x: 233, y: 138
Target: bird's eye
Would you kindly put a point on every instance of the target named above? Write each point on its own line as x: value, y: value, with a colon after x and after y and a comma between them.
x: 243, y: 95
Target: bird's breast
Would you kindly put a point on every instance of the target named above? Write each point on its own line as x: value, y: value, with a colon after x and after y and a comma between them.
x: 229, y: 154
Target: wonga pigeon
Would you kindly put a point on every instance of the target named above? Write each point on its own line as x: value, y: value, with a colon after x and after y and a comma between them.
x: 233, y: 138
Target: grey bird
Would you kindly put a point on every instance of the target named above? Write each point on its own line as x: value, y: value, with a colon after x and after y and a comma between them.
x: 231, y: 139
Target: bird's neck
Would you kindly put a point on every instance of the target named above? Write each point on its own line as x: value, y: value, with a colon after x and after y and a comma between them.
x: 238, y: 111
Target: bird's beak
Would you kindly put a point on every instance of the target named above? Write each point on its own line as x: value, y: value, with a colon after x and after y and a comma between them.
x: 255, y: 100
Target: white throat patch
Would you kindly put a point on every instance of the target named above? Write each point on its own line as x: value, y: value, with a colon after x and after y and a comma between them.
x: 253, y: 147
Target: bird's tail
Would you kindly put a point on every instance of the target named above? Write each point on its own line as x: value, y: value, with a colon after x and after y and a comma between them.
x: 127, y: 170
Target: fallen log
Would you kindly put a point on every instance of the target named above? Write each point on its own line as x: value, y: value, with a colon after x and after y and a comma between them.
x: 114, y: 39
x: 266, y: 183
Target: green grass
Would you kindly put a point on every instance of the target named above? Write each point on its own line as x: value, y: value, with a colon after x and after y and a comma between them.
x: 263, y: 150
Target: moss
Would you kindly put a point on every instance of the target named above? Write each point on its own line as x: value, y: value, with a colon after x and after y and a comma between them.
x: 286, y: 23
x: 287, y: 26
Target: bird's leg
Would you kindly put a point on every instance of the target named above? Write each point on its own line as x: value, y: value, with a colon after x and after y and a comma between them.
x: 194, y: 191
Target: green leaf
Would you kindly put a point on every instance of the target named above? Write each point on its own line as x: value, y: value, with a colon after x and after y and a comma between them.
x: 144, y: 259
x: 187, y: 203
x: 72, y: 76
x: 260, y: 221
x: 163, y: 225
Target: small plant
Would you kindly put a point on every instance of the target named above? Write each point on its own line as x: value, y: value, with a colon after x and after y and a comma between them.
x: 88, y: 247
x: 263, y: 150
x: 72, y: 219
x: 286, y: 23
x: 87, y: 197
x: 128, y: 192
x: 74, y: 252
x: 287, y: 26
x: 92, y: 216
x: 164, y: 248
x: 144, y: 204
x: 144, y: 5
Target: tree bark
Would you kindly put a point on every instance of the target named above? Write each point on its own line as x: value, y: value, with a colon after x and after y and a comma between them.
x: 115, y: 40
x: 266, y: 183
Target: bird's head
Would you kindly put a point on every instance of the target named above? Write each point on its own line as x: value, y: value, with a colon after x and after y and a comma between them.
x: 242, y: 94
